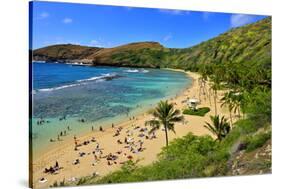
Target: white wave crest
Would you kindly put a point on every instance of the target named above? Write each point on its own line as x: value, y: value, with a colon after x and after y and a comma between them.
x: 103, y: 77
x: 136, y: 71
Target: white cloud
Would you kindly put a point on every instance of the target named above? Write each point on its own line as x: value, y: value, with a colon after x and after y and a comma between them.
x: 167, y: 37
x: 128, y: 8
x: 174, y: 12
x: 67, y: 20
x: 237, y: 20
x: 96, y: 43
x: 43, y: 15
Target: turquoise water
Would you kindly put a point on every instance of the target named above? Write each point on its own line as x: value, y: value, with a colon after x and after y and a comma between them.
x: 99, y: 95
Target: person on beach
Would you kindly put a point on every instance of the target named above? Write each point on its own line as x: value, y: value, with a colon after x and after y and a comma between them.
x: 64, y: 133
x: 92, y: 128
x: 61, y: 133
x: 93, y: 139
x: 57, y: 165
x: 68, y: 128
x: 141, y: 143
x: 96, y: 157
x: 101, y: 129
x: 98, y: 146
x: 112, y: 125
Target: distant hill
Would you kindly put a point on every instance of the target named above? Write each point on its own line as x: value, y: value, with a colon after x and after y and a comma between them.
x: 117, y: 56
x: 251, y: 42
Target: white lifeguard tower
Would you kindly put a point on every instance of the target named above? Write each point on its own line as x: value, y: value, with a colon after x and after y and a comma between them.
x: 192, y: 103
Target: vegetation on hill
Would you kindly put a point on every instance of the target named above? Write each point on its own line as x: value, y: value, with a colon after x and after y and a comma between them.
x: 250, y: 43
x: 131, y: 55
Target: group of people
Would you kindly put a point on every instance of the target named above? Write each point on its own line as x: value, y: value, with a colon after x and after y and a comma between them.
x: 117, y: 132
x: 61, y: 134
x: 62, y: 118
x: 53, y: 169
x: 41, y: 121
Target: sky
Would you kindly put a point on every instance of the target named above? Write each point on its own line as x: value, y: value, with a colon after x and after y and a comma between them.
x: 110, y: 26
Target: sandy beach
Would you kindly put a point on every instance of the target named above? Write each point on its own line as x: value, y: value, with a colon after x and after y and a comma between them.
x: 133, y: 129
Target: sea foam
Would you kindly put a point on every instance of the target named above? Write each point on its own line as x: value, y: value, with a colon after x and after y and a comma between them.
x: 136, y: 71
x: 103, y: 77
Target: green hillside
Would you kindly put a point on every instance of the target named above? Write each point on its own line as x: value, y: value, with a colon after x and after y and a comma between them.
x: 250, y: 43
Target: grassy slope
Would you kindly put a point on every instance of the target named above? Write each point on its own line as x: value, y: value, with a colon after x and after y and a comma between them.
x: 248, y: 43
x: 132, y: 54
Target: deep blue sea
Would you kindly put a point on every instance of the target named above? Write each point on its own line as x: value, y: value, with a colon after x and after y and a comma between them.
x: 100, y: 95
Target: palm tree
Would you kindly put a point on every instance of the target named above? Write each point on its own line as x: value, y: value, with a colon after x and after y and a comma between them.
x: 164, y: 114
x: 237, y: 99
x: 227, y: 100
x: 215, y: 87
x: 220, y: 127
x: 203, y: 80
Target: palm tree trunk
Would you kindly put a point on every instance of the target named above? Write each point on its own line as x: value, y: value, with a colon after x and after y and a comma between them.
x: 230, y: 115
x: 215, y: 101
x: 239, y: 111
x: 210, y: 97
x: 166, y: 134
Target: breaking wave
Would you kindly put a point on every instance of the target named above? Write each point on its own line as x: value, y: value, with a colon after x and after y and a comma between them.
x: 103, y: 77
x: 136, y: 71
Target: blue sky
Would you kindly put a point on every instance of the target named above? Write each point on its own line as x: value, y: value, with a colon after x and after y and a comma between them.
x: 109, y: 26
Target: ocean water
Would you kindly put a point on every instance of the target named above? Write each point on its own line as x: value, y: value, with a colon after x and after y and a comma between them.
x: 99, y: 95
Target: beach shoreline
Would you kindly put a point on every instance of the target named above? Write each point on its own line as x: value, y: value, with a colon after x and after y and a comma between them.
x: 65, y: 154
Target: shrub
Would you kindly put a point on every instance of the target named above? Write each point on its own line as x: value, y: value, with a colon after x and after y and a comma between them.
x: 256, y: 141
x: 197, y: 112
